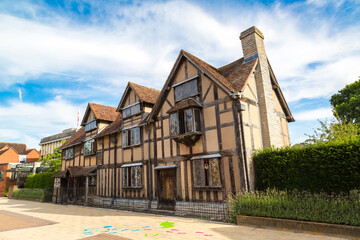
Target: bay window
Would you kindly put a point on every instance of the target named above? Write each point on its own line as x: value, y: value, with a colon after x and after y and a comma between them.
x: 185, y: 121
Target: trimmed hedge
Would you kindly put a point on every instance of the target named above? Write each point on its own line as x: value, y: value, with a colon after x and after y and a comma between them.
x: 331, y: 168
x: 40, y: 180
x: 40, y: 194
x: 306, y: 206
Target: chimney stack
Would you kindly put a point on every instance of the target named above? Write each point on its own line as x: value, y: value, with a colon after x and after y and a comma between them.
x: 252, y: 41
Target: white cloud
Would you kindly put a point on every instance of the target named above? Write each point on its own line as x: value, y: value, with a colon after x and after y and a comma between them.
x: 140, y: 42
x: 28, y: 122
x: 310, y: 115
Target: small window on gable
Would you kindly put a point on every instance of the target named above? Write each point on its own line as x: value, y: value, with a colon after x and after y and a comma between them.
x: 131, y: 137
x: 187, y: 89
x: 131, y: 110
x: 90, y: 125
x: 206, y: 173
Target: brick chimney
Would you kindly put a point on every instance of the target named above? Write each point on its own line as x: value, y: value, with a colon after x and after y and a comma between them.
x: 252, y: 41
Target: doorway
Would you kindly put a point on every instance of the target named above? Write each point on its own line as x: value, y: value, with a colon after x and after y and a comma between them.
x: 166, y: 188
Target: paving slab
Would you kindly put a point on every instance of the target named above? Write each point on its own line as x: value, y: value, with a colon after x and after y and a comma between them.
x: 67, y: 222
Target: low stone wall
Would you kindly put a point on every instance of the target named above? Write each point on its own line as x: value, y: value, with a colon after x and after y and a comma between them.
x: 213, y: 211
x: 126, y: 204
x: 311, y: 227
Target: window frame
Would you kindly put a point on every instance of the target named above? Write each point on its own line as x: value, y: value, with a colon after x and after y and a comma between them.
x: 127, y: 137
x: 180, y: 119
x: 87, y: 129
x: 206, y: 175
x: 2, y: 175
x: 93, y: 146
x: 182, y: 84
x: 127, y: 177
x: 72, y: 153
x: 131, y: 107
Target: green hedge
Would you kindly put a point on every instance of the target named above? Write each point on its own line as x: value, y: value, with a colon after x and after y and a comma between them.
x: 40, y: 180
x: 41, y: 194
x: 336, y: 209
x: 331, y: 168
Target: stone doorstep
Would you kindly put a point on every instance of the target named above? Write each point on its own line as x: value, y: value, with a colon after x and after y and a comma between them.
x: 304, y: 226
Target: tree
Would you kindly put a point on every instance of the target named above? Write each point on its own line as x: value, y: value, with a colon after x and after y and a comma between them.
x: 346, y: 103
x: 336, y: 130
x: 53, y: 160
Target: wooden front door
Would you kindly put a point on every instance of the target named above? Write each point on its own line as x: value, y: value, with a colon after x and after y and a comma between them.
x: 166, y: 188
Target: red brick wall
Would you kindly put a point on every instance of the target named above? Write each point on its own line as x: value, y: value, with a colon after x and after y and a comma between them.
x: 6, y: 182
x: 10, y: 156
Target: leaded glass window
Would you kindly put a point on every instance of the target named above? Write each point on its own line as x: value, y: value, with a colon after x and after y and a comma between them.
x: 174, y: 124
x: 131, y: 110
x: 188, y: 114
x: 131, y: 137
x: 186, y: 89
x: 206, y: 173
x: 185, y: 121
x: 69, y: 153
x: 90, y: 125
x: 132, y: 177
x: 89, y: 147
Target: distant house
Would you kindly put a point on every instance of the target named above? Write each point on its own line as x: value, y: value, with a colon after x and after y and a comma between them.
x: 185, y: 146
x: 12, y: 155
x: 48, y: 144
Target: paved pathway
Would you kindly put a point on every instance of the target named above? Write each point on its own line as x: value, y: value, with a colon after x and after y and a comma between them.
x: 52, y: 221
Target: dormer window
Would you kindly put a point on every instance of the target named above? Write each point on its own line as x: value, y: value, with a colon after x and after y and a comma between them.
x: 90, y: 125
x: 185, y: 89
x: 131, y: 110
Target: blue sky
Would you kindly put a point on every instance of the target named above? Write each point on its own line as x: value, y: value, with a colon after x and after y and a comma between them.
x: 63, y: 54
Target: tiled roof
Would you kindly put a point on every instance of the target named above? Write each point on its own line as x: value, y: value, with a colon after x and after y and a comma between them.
x: 20, y: 148
x: 1, y: 152
x: 103, y: 112
x: 146, y: 94
x: 111, y: 128
x: 60, y: 174
x: 75, y: 139
x: 28, y: 150
x: 233, y: 76
x: 238, y: 72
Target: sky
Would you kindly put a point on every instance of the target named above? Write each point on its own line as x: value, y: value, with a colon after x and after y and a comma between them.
x: 58, y: 55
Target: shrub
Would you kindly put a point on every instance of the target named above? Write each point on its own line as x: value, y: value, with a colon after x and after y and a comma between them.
x: 40, y: 180
x: 336, y: 209
x: 332, y: 167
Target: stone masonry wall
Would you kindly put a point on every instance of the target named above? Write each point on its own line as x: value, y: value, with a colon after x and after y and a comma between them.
x: 252, y: 41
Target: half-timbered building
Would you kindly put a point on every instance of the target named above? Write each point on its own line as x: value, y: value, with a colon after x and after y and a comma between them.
x: 187, y: 144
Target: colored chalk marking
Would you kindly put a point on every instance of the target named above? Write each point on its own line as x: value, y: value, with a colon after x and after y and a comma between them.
x: 167, y: 224
x: 146, y: 227
x: 181, y: 233
x: 104, y: 231
x: 97, y: 228
x: 198, y: 232
x: 174, y: 230
x: 208, y: 235
x: 88, y: 233
x: 112, y: 232
x: 169, y: 231
x: 125, y: 229
x: 155, y: 235
x: 114, y: 229
x: 135, y: 230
